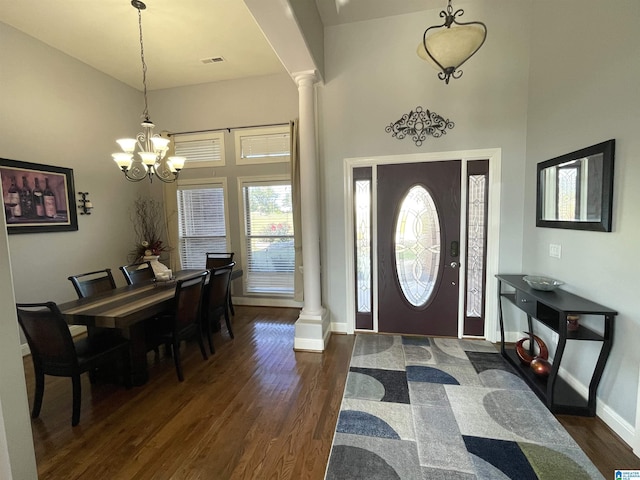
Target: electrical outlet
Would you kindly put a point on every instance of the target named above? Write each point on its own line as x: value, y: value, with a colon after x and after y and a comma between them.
x: 555, y: 251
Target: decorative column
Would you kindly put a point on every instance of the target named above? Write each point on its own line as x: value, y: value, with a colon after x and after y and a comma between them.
x: 312, y: 328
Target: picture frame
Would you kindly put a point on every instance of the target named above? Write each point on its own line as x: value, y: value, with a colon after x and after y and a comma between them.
x: 37, y: 198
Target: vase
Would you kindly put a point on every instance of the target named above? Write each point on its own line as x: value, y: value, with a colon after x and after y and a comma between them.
x: 157, y: 267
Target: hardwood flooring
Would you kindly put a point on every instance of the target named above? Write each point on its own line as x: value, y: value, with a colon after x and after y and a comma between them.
x: 256, y: 409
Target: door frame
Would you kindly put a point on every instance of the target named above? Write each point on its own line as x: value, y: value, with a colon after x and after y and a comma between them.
x: 494, y: 155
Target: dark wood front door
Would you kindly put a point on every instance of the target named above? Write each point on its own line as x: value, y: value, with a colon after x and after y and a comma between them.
x: 419, y: 247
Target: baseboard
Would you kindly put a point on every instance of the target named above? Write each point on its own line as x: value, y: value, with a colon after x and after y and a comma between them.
x: 267, y: 302
x: 620, y: 426
x: 74, y: 329
x: 338, y: 327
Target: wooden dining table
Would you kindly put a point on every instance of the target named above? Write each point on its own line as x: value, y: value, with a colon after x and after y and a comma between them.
x: 125, y: 309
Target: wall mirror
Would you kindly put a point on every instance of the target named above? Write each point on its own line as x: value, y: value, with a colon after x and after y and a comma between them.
x: 575, y: 190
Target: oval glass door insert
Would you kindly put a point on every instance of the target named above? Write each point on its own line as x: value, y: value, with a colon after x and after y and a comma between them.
x: 417, y: 246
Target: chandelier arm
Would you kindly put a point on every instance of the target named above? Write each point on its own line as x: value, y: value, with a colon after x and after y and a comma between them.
x: 160, y: 177
x: 133, y: 179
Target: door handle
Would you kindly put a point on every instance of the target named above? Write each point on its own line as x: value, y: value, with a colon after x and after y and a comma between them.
x: 454, y: 264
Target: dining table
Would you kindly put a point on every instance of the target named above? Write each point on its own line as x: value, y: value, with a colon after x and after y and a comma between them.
x: 126, y: 309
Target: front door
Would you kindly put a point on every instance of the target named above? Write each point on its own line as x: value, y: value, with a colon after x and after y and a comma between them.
x: 419, y: 247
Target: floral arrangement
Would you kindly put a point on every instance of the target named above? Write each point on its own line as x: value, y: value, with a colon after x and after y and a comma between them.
x: 148, y: 222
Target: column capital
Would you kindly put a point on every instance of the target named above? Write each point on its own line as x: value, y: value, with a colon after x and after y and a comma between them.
x: 306, y: 77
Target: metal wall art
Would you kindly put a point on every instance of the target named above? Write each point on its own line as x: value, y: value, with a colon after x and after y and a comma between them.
x: 419, y: 123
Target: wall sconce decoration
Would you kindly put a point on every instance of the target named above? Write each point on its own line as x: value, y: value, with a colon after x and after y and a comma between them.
x: 419, y: 123
x: 446, y: 47
x: 84, y: 204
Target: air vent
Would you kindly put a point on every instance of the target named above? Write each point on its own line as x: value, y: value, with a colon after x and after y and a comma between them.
x: 212, y: 60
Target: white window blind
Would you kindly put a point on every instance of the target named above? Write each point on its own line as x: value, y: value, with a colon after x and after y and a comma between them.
x: 263, y: 145
x: 201, y: 223
x: 201, y: 150
x: 268, y: 227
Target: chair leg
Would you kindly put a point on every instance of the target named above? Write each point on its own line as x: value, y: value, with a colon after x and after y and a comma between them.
x: 228, y: 322
x: 77, y: 398
x: 205, y: 329
x: 201, y: 344
x: 233, y: 312
x: 176, y: 359
x: 37, y: 400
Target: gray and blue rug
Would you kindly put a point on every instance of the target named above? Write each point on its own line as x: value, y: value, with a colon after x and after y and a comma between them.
x: 433, y: 408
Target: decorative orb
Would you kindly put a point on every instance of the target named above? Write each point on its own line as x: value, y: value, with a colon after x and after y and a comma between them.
x: 540, y: 367
x: 523, y: 353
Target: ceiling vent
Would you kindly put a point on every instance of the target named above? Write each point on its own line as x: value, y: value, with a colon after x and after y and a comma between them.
x: 212, y: 60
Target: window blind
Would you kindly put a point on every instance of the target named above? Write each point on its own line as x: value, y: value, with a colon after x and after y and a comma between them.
x: 258, y: 146
x: 201, y: 224
x: 268, y: 226
x: 201, y: 150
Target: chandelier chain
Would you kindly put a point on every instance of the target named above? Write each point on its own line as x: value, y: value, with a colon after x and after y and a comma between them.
x: 145, y: 113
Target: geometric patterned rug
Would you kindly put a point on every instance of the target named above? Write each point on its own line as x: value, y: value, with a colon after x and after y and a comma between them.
x: 437, y: 408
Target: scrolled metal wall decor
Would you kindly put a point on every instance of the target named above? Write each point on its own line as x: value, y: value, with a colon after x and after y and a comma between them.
x: 419, y: 123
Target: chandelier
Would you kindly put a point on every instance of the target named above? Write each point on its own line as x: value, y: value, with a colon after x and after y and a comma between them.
x: 152, y: 148
x: 448, y: 46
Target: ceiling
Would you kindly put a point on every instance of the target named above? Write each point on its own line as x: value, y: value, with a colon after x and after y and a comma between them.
x: 178, y: 35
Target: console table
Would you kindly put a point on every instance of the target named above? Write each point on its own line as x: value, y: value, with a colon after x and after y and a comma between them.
x: 551, y: 309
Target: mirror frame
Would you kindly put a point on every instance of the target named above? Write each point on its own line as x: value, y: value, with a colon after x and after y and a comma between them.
x: 607, y: 149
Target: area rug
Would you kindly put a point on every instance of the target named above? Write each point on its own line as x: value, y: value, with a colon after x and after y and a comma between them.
x: 432, y: 408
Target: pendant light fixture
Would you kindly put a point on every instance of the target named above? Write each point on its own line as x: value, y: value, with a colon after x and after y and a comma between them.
x: 446, y: 47
x: 152, y: 148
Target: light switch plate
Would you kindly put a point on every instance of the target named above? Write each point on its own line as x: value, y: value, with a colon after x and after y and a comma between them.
x: 555, y: 250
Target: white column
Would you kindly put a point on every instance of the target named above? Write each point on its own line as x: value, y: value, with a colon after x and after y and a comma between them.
x: 312, y: 327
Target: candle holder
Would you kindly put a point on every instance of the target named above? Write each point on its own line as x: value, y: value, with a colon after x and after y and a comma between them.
x: 84, y: 204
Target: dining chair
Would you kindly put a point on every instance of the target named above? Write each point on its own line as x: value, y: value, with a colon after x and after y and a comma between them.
x: 217, y: 260
x: 55, y: 353
x: 138, y: 273
x: 184, y: 321
x: 215, y: 301
x: 91, y: 283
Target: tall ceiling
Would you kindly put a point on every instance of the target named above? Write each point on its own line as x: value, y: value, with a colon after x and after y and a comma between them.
x: 178, y: 35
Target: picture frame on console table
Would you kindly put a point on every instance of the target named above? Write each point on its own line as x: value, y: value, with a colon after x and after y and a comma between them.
x: 37, y: 198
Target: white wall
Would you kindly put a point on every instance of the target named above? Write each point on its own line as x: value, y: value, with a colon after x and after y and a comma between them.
x: 374, y: 76
x: 57, y: 111
x: 584, y: 90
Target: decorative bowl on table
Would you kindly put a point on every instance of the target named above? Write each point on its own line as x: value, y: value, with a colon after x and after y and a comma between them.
x: 545, y: 284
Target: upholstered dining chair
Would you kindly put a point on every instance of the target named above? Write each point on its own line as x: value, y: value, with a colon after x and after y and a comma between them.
x: 138, y: 273
x: 217, y: 260
x: 55, y: 353
x: 183, y: 322
x: 91, y: 283
x: 215, y: 300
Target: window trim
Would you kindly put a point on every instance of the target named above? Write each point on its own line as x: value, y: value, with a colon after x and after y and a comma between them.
x: 252, y: 132
x: 191, y: 137
x: 208, y: 182
x: 249, y: 181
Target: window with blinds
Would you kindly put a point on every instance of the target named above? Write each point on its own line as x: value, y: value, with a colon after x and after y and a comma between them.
x: 201, y: 150
x: 262, y: 145
x: 268, y: 236
x: 202, y: 225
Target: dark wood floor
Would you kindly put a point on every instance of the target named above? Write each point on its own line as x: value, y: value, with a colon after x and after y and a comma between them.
x: 256, y: 409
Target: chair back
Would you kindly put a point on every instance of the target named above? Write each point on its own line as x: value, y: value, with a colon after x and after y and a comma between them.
x: 218, y: 259
x: 217, y: 290
x: 137, y: 273
x: 92, y: 283
x: 48, y: 337
x: 188, y: 301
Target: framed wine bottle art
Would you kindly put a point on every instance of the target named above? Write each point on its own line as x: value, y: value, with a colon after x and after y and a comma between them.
x: 37, y: 198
